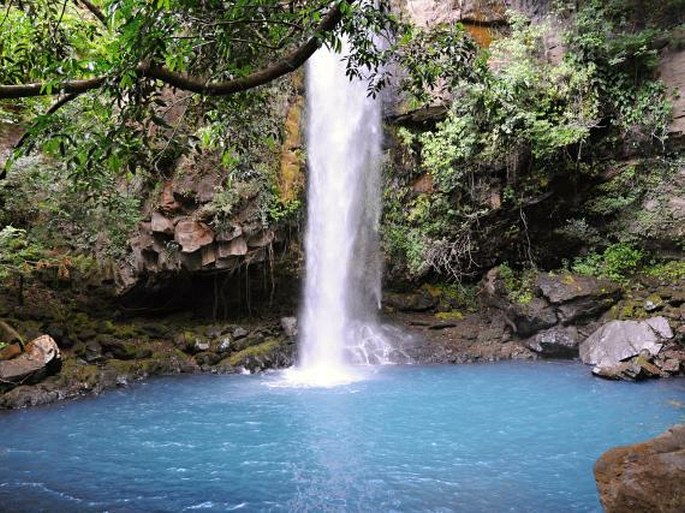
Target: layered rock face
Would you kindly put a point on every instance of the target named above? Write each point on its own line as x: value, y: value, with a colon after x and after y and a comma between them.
x: 647, y: 477
x: 180, y: 234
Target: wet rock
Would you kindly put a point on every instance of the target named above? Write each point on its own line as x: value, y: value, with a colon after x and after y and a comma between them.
x: 41, y: 358
x: 60, y: 336
x: 123, y: 349
x: 235, y: 247
x: 646, y: 477
x: 617, y: 341
x: 25, y: 396
x: 261, y: 239
x: 272, y: 353
x: 228, y: 234
x: 558, y: 342
x: 92, y: 351
x: 289, y: 326
x: 253, y: 339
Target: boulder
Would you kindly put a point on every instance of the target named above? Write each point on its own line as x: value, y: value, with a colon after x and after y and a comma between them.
x: 567, y: 287
x: 617, y: 341
x: 578, y: 297
x: 653, y: 302
x: 635, y: 369
x: 660, y: 326
x: 239, y: 333
x: 532, y: 317
x: 40, y: 359
x: 419, y: 301
x: 558, y: 342
x: 161, y: 224
x: 647, y: 477
x: 192, y: 235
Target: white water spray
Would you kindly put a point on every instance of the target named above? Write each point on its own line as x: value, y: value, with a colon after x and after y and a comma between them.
x: 343, y: 272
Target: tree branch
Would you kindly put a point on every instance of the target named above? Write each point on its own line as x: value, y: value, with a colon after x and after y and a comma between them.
x: 94, y: 10
x: 283, y: 66
x: 53, y: 108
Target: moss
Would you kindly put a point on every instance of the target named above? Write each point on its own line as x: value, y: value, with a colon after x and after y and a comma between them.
x: 630, y: 309
x: 123, y: 367
x: 124, y: 331
x: 453, y: 315
x: 568, y: 279
x: 260, y: 350
x: 74, y: 373
x: 291, y: 174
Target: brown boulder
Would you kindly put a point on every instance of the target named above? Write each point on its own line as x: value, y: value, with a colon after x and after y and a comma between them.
x: 161, y: 224
x: 647, y: 477
x: 41, y: 358
x: 192, y: 235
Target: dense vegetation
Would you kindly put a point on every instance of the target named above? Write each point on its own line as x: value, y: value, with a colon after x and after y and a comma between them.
x: 543, y: 159
x: 539, y: 160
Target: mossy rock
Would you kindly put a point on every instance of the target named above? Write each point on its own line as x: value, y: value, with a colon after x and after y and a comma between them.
x: 155, y: 330
x: 106, y: 327
x: 628, y: 309
x: 124, y: 349
x: 124, y: 331
x: 77, y: 375
x: 272, y: 353
x: 653, y: 302
x: 207, y: 358
x: 452, y: 315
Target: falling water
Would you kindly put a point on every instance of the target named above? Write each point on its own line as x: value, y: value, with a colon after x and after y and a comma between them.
x: 343, y: 273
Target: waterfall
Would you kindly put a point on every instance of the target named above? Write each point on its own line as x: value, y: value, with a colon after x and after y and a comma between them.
x: 343, y: 267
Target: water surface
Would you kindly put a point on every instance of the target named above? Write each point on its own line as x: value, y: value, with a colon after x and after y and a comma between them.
x: 515, y: 437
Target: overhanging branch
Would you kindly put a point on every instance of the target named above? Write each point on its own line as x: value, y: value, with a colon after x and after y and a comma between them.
x: 283, y: 66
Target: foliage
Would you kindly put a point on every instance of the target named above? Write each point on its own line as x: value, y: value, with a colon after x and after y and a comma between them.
x: 634, y: 205
x: 618, y: 262
x: 57, y: 212
x: 672, y: 271
x: 520, y: 285
x: 520, y: 127
x: 622, y: 63
x: 13, y: 245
